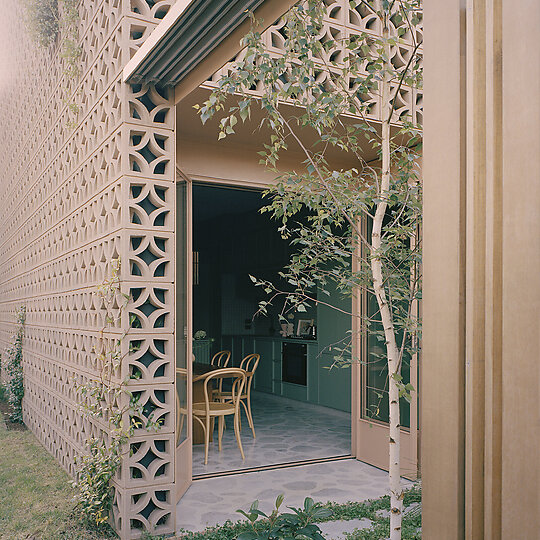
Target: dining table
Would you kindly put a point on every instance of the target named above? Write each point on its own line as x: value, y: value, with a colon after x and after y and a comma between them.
x: 200, y: 371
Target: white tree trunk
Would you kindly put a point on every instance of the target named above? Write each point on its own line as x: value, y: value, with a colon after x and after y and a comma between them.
x: 396, y: 494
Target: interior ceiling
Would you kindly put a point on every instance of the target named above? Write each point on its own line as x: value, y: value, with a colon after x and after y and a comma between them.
x: 250, y: 135
x: 210, y: 202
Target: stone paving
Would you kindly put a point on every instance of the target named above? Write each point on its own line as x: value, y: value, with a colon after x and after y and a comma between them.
x: 286, y: 430
x: 212, y: 501
x: 336, y: 530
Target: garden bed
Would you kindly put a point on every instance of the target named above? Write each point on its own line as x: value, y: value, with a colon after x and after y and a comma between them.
x: 371, y: 516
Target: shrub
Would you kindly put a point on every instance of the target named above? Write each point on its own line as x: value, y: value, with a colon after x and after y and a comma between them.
x: 296, y: 524
x: 14, y: 370
x: 42, y: 21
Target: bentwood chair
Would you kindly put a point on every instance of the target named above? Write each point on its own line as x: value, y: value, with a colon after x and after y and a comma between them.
x: 249, y: 365
x: 206, y: 412
x: 221, y: 360
x: 181, y: 412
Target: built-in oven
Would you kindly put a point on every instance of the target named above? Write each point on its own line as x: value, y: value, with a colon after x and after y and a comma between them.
x: 294, y: 363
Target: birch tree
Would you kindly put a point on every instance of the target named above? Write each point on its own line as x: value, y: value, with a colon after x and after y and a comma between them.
x: 355, y: 230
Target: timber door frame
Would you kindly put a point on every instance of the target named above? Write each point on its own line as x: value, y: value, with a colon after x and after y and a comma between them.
x: 370, y: 437
x: 184, y: 451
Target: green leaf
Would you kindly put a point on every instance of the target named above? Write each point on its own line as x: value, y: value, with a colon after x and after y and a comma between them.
x: 248, y: 536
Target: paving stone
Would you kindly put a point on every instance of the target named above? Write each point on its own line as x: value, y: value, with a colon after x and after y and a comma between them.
x: 412, y: 507
x: 383, y: 512
x: 300, y: 486
x: 329, y: 493
x: 363, y: 482
x: 286, y: 430
x: 336, y: 530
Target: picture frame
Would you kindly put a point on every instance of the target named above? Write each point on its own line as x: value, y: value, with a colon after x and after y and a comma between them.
x: 303, y: 327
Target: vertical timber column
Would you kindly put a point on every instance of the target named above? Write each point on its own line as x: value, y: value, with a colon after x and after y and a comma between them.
x: 520, y: 512
x: 443, y: 306
x: 493, y: 290
x: 145, y: 494
x: 481, y: 377
x: 475, y: 305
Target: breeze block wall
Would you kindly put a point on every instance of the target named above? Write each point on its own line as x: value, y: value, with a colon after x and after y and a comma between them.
x: 79, y: 190
x: 343, y: 21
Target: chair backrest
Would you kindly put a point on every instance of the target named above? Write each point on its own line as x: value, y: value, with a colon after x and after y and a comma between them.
x: 181, y: 373
x: 239, y: 380
x: 221, y: 359
x: 249, y: 363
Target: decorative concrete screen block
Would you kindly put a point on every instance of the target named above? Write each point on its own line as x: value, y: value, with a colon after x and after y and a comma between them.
x: 78, y: 191
x: 342, y: 21
x: 81, y: 189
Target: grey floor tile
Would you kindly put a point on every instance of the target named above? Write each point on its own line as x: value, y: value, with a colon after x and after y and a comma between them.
x: 195, y: 512
x: 286, y: 431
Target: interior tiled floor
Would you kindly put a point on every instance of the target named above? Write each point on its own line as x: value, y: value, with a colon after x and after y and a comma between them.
x: 286, y: 431
x: 212, y: 501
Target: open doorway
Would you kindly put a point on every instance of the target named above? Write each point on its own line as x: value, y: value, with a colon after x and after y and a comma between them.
x: 301, y: 409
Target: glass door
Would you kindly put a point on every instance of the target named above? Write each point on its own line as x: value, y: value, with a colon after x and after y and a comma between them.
x: 370, y: 394
x: 184, y: 332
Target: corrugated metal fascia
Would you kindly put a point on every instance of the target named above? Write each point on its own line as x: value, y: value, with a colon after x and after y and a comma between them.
x: 183, y: 47
x: 228, y: 22
x: 162, y: 50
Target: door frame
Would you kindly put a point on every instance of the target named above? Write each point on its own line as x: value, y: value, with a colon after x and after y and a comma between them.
x: 369, y: 438
x: 184, y: 451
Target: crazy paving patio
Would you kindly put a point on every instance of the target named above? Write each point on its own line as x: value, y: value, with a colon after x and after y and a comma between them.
x: 287, y: 432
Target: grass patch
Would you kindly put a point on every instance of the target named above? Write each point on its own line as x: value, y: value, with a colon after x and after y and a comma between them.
x: 37, y: 501
x: 36, y: 497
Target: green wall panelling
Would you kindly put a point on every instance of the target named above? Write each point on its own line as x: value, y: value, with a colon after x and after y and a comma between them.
x: 276, y: 369
x: 294, y: 391
x: 312, y: 373
x: 226, y: 343
x: 333, y: 330
x: 263, y: 375
x: 202, y: 350
x: 334, y: 384
x: 237, y: 351
x: 248, y: 347
x: 333, y: 326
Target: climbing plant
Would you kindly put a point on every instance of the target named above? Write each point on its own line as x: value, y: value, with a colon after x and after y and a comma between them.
x: 42, y: 21
x: 14, y: 370
x: 47, y: 22
x: 107, y: 401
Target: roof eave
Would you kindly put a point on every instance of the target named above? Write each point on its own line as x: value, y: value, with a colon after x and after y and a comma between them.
x: 196, y: 38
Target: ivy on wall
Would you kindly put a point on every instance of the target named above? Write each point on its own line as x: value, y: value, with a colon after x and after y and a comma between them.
x: 48, y: 21
x: 107, y: 397
x: 14, y: 370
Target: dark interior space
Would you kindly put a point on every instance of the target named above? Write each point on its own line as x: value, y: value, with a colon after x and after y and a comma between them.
x: 231, y: 241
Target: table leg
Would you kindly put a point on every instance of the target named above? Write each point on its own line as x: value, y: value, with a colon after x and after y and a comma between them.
x: 198, y: 397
